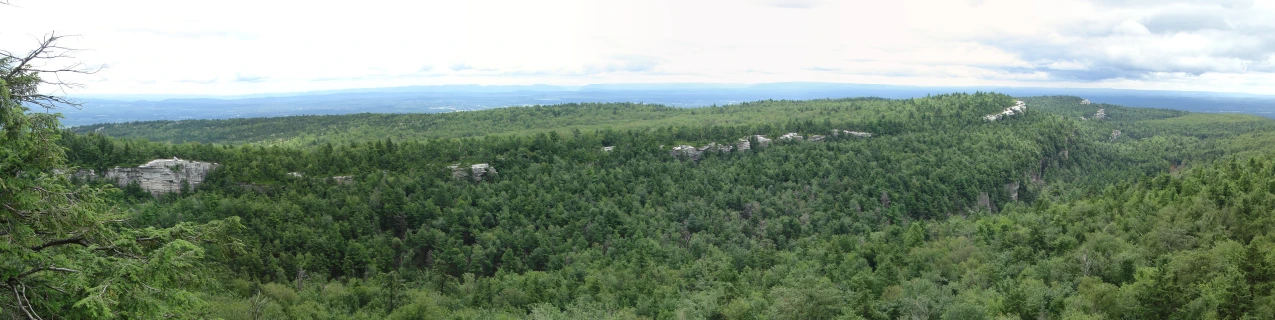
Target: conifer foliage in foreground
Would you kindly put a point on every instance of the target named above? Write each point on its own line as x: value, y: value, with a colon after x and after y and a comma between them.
x: 66, y: 250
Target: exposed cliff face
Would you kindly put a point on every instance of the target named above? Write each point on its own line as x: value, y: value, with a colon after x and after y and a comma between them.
x: 1012, y: 189
x: 159, y: 176
x: 476, y: 171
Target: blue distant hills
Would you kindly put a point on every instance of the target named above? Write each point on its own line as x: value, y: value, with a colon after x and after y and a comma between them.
x: 451, y: 98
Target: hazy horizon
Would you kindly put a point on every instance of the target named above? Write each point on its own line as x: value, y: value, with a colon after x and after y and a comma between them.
x: 475, y: 87
x: 251, y: 47
x: 436, y: 99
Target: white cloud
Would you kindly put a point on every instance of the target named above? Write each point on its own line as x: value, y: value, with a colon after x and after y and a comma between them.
x: 1130, y: 28
x: 243, y: 46
x: 1067, y: 66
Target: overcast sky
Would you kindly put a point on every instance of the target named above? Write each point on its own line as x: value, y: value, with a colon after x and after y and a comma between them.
x: 258, y: 46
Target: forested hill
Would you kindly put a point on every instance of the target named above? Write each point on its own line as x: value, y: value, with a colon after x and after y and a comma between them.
x: 311, y: 130
x: 940, y: 214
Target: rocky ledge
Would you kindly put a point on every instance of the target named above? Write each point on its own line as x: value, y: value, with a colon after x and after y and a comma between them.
x: 1019, y: 107
x: 476, y: 171
x: 159, y: 176
x: 694, y: 153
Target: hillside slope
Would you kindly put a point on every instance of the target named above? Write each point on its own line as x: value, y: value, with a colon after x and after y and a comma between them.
x: 940, y: 214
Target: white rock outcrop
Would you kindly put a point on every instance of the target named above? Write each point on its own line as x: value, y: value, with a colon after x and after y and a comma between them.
x: 457, y: 172
x: 1101, y: 114
x: 481, y: 169
x: 1019, y: 107
x: 160, y: 176
x: 476, y: 171
x: 746, y: 143
x: 343, y: 180
x: 1085, y: 101
x: 838, y: 132
x: 762, y: 141
x: 686, y: 151
x: 713, y: 146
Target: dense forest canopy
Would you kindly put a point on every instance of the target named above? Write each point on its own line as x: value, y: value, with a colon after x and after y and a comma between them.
x: 310, y: 130
x: 940, y: 214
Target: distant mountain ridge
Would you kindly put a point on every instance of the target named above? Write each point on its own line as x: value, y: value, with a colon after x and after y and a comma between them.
x: 450, y: 98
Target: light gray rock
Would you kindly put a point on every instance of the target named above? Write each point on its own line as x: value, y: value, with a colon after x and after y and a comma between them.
x: 743, y: 144
x: 984, y: 201
x: 480, y: 170
x: 1012, y: 189
x: 836, y: 132
x: 162, y: 176
x: 1019, y: 107
x: 84, y: 174
x: 476, y: 171
x: 457, y: 172
x: 686, y: 151
x: 343, y: 180
x: 714, y: 147
x: 762, y: 142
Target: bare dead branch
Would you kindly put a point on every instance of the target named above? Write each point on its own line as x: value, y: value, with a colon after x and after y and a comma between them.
x: 116, y: 250
x: 28, y: 302
x: 18, y: 296
x: 42, y: 269
x: 20, y: 213
x: 35, y: 67
x: 55, y: 288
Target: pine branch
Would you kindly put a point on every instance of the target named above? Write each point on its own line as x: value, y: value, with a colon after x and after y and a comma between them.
x: 72, y: 240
